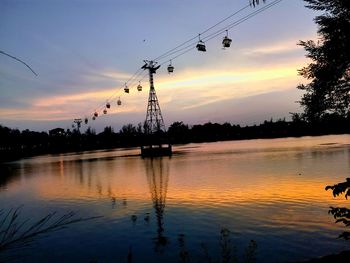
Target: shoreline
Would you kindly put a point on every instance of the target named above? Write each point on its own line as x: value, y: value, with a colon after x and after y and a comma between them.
x: 15, y: 156
x: 342, y: 257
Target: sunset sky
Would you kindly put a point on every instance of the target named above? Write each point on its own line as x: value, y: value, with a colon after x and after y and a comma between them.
x: 84, y: 52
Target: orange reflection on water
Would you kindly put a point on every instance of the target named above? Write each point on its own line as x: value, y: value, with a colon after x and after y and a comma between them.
x: 227, y: 179
x: 280, y: 181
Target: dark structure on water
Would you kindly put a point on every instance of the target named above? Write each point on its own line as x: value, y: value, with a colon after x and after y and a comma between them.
x: 156, y: 143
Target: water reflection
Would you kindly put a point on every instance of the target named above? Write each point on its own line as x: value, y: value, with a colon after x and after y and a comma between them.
x: 269, y: 190
x: 157, y: 173
x: 8, y: 175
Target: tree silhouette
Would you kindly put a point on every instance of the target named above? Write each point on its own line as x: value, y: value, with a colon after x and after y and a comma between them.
x: 329, y: 71
x: 178, y: 132
x: 341, y: 214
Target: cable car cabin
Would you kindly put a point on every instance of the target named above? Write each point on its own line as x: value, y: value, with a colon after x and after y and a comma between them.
x: 93, y: 118
x: 201, y: 46
x: 108, y: 105
x: 104, y: 111
x: 119, y: 102
x: 95, y: 114
x: 86, y: 120
x: 139, y: 87
x: 170, y: 69
x: 126, y: 89
x: 226, y: 42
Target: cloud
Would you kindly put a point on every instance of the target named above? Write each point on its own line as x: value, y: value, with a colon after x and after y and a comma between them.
x: 243, y: 73
x: 281, y: 47
x: 32, y: 114
x: 119, y: 76
x: 188, y: 89
x: 197, y: 88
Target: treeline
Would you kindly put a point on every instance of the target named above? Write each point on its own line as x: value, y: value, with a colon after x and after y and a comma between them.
x: 179, y: 132
x: 16, y: 144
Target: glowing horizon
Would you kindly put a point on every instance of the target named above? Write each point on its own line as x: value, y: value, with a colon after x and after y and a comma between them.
x: 77, y: 77
x: 255, y: 82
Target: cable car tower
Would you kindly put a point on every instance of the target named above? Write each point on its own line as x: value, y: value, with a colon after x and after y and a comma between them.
x: 154, y: 119
x: 154, y: 123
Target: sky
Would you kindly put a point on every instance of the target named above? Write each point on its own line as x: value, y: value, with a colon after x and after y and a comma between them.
x: 85, y: 50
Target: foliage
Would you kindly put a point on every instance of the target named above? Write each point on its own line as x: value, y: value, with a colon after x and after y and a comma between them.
x: 227, y: 248
x: 329, y: 71
x: 228, y: 251
x: 183, y: 254
x: 250, y: 252
x: 341, y: 214
x: 16, y: 233
x: 16, y: 144
x: 340, y: 188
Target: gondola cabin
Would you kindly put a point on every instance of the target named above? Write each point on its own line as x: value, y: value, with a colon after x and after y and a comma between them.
x: 170, y: 68
x: 126, y: 89
x: 108, y: 105
x: 201, y: 46
x: 139, y: 87
x: 104, y: 111
x: 95, y: 114
x: 119, y: 102
x: 226, y: 42
x: 86, y: 120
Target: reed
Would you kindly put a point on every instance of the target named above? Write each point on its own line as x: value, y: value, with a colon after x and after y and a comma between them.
x: 16, y: 233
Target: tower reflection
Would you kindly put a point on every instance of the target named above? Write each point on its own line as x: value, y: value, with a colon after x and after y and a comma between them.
x: 157, y: 172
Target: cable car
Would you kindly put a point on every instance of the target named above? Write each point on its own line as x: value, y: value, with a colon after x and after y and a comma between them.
x: 86, y: 120
x: 126, y: 89
x: 105, y: 111
x: 170, y: 68
x: 93, y: 118
x: 139, y: 87
x: 226, y: 42
x: 119, y: 102
x: 95, y: 114
x: 108, y: 105
x: 201, y: 46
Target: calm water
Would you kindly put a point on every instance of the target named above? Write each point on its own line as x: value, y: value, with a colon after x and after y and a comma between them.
x: 271, y: 191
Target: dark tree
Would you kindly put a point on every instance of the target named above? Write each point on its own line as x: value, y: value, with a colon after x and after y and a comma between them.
x: 329, y: 71
x: 128, y: 130
x: 341, y: 214
x: 178, y: 132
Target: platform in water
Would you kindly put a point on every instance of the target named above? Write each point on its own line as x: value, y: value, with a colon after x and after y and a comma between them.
x: 156, y: 150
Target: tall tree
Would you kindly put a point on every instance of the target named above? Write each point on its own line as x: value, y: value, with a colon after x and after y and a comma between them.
x: 329, y: 72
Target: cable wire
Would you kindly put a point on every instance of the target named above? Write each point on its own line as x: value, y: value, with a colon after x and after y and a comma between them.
x: 183, y: 50
x: 241, y: 20
x: 218, y: 32
x: 206, y: 30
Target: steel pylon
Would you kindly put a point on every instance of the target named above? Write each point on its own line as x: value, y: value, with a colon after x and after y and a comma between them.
x: 154, y: 122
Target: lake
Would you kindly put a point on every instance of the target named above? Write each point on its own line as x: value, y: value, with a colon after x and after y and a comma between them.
x: 165, y: 209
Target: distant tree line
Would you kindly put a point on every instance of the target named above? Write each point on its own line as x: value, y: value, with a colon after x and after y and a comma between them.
x: 15, y: 143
